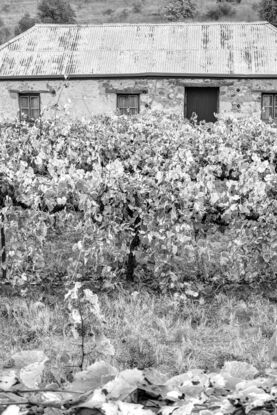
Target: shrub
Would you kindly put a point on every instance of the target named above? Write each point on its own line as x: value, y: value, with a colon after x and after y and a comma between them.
x: 123, y: 14
x: 5, y: 8
x: 137, y: 7
x: 177, y: 10
x: 119, y: 15
x: 4, y: 34
x: 56, y: 11
x: 220, y: 10
x: 108, y: 12
x: 150, y: 198
x: 25, y: 23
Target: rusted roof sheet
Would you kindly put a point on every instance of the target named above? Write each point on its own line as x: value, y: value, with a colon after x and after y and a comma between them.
x: 133, y: 49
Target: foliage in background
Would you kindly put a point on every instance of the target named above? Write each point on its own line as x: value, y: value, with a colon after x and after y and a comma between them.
x: 94, y: 12
x: 56, y: 11
x: 48, y: 11
x: 220, y: 10
x: 268, y: 11
x: 149, y: 199
x: 4, y: 32
x: 178, y: 10
x: 25, y: 23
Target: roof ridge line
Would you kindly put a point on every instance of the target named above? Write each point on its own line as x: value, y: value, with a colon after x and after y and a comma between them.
x: 257, y: 22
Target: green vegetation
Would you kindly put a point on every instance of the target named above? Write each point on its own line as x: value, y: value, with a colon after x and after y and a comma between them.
x: 172, y: 334
x: 148, y: 242
x: 25, y: 23
x: 268, y: 11
x: 178, y: 10
x: 4, y: 32
x: 150, y: 200
x: 220, y: 10
x: 93, y: 11
x: 56, y: 11
x: 181, y: 356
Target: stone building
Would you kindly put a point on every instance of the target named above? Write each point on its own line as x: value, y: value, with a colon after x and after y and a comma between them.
x: 202, y: 68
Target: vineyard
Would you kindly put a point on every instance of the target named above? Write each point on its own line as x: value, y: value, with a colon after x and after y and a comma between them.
x: 120, y: 238
x: 149, y: 200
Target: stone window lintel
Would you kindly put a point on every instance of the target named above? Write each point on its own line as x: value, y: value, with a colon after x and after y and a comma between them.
x: 126, y: 91
x: 29, y: 91
x: 265, y: 91
x: 212, y: 84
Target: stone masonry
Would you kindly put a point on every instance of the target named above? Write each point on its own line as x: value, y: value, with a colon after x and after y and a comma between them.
x: 86, y: 97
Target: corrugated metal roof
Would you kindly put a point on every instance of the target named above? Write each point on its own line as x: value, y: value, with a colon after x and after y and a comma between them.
x: 133, y: 49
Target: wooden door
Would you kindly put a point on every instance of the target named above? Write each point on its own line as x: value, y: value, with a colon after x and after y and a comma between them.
x: 203, y: 102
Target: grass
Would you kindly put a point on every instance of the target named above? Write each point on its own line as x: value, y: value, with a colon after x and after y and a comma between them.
x: 245, y: 11
x: 167, y: 333
x: 128, y: 11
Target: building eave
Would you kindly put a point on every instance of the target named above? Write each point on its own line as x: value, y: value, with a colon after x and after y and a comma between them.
x: 137, y: 75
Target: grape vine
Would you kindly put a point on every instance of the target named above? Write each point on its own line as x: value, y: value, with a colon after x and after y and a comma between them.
x: 152, y: 198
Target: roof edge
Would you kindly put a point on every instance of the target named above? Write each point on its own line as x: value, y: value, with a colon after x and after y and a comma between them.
x: 271, y: 26
x: 138, y: 75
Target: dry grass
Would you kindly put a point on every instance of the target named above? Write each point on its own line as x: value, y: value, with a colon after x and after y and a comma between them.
x: 129, y: 11
x: 170, y: 334
x: 245, y: 11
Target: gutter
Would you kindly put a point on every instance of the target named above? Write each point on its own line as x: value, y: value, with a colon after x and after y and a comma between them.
x: 137, y: 75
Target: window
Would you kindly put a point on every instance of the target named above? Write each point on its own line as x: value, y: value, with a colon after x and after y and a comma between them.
x: 201, y: 101
x: 269, y: 106
x: 128, y: 104
x: 29, y: 106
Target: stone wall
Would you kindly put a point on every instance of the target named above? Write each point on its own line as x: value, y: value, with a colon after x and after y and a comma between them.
x: 82, y: 98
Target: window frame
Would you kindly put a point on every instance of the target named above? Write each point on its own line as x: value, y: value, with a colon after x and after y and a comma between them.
x: 272, y: 94
x: 200, y: 86
x: 29, y: 96
x: 119, y: 95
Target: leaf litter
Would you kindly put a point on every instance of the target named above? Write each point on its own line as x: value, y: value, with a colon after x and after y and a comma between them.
x: 237, y: 389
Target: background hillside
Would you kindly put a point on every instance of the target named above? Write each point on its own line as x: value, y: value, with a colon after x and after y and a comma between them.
x: 130, y: 11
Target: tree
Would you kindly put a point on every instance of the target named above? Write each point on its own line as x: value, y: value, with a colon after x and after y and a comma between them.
x: 268, y: 11
x: 220, y: 10
x: 4, y: 32
x: 56, y: 11
x: 179, y: 10
x: 25, y: 23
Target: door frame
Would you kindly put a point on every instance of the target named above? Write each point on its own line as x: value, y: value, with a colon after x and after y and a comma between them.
x: 199, y: 86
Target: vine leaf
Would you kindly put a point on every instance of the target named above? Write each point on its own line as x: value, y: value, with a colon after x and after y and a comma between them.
x: 241, y: 370
x: 12, y: 410
x: 31, y: 375
x: 104, y: 346
x: 117, y: 408
x: 124, y: 384
x: 8, y: 378
x: 118, y: 389
x: 95, y: 376
x: 27, y: 357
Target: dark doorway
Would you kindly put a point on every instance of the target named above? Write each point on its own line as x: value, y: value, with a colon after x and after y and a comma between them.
x: 203, y: 102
